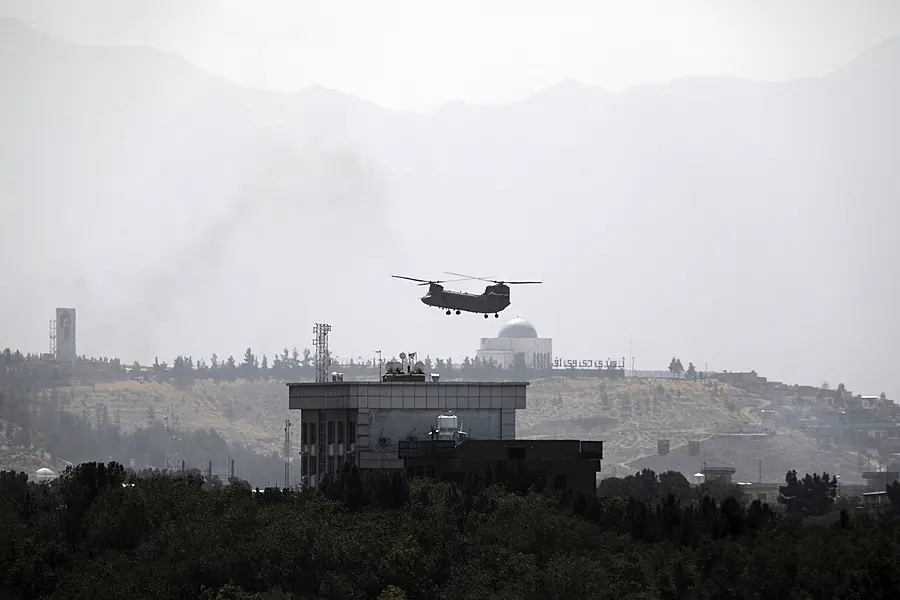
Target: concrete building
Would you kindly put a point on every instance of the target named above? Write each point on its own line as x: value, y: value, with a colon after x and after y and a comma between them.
x: 718, y: 474
x: 361, y: 422
x: 517, y: 337
x: 561, y: 465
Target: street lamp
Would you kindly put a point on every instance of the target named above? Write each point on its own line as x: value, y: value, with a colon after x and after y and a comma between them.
x: 378, y: 352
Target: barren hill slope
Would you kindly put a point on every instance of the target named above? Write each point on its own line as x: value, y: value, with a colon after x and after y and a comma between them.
x: 631, y: 415
x: 247, y: 412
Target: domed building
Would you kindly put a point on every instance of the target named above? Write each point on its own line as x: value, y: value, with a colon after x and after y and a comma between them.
x: 44, y: 474
x: 517, y: 337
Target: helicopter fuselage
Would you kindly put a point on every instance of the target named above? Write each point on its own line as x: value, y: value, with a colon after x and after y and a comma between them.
x: 494, y: 299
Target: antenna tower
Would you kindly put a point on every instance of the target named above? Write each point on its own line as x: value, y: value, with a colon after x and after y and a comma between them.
x: 323, y: 358
x: 53, y: 337
x: 287, y: 453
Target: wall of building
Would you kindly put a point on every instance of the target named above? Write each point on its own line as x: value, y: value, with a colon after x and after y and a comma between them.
x: 357, y: 414
x: 398, y: 424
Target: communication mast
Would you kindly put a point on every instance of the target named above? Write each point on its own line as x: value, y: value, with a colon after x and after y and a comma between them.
x: 320, y: 342
x: 287, y: 453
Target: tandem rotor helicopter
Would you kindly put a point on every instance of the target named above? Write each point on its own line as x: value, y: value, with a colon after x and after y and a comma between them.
x: 494, y: 299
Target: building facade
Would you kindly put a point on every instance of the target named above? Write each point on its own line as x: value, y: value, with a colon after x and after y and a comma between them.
x: 559, y: 465
x: 361, y: 422
x: 519, y: 338
x: 66, y: 352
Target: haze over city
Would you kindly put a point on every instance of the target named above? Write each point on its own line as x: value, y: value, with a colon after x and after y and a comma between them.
x: 715, y: 181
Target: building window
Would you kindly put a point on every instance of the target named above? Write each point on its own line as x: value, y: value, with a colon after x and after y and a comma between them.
x: 351, y: 432
x: 313, y: 465
x: 329, y: 465
x: 340, y: 463
x: 330, y: 439
x: 313, y: 436
x: 304, y: 439
x: 559, y: 482
x: 340, y: 432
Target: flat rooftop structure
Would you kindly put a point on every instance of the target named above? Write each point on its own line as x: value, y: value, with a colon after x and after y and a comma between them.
x: 410, y: 395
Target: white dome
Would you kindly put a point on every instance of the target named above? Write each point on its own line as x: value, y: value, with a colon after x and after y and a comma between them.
x: 45, y: 472
x: 517, y: 328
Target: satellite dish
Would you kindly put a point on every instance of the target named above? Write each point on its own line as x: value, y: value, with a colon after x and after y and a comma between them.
x: 419, y: 367
x: 403, y: 356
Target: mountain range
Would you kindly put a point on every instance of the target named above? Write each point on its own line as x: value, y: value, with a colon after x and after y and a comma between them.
x: 739, y: 223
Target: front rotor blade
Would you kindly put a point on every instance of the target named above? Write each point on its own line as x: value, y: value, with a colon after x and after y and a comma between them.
x: 411, y: 278
x: 519, y: 282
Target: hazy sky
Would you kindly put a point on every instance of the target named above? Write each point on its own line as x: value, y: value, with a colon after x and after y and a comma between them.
x: 205, y: 193
x: 417, y: 55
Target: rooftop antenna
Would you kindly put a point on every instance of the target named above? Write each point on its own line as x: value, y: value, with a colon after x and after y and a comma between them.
x: 320, y: 342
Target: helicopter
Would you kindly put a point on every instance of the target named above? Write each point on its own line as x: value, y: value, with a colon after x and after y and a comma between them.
x: 494, y: 299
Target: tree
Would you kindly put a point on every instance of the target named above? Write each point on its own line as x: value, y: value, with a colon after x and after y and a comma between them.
x: 250, y: 365
x: 519, y: 365
x: 691, y: 371
x: 675, y: 367
x: 811, y: 496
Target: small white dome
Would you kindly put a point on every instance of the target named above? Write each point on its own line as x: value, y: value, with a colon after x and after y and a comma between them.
x: 45, y: 472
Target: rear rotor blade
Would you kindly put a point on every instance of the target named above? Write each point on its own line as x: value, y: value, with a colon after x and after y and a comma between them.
x: 519, y: 282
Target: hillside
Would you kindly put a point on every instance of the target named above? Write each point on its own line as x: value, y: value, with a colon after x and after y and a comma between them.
x: 631, y: 415
x: 634, y: 416
x: 19, y: 457
x: 658, y: 211
x: 257, y: 410
x: 758, y: 457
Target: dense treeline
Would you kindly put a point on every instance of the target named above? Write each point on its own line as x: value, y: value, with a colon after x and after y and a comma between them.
x: 285, y: 365
x: 88, y: 536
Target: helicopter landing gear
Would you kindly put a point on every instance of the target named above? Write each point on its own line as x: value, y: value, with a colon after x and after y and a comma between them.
x: 457, y: 312
x: 485, y: 315
x: 496, y: 316
x: 448, y: 312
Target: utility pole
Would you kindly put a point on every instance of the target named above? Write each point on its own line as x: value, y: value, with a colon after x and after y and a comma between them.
x: 378, y: 353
